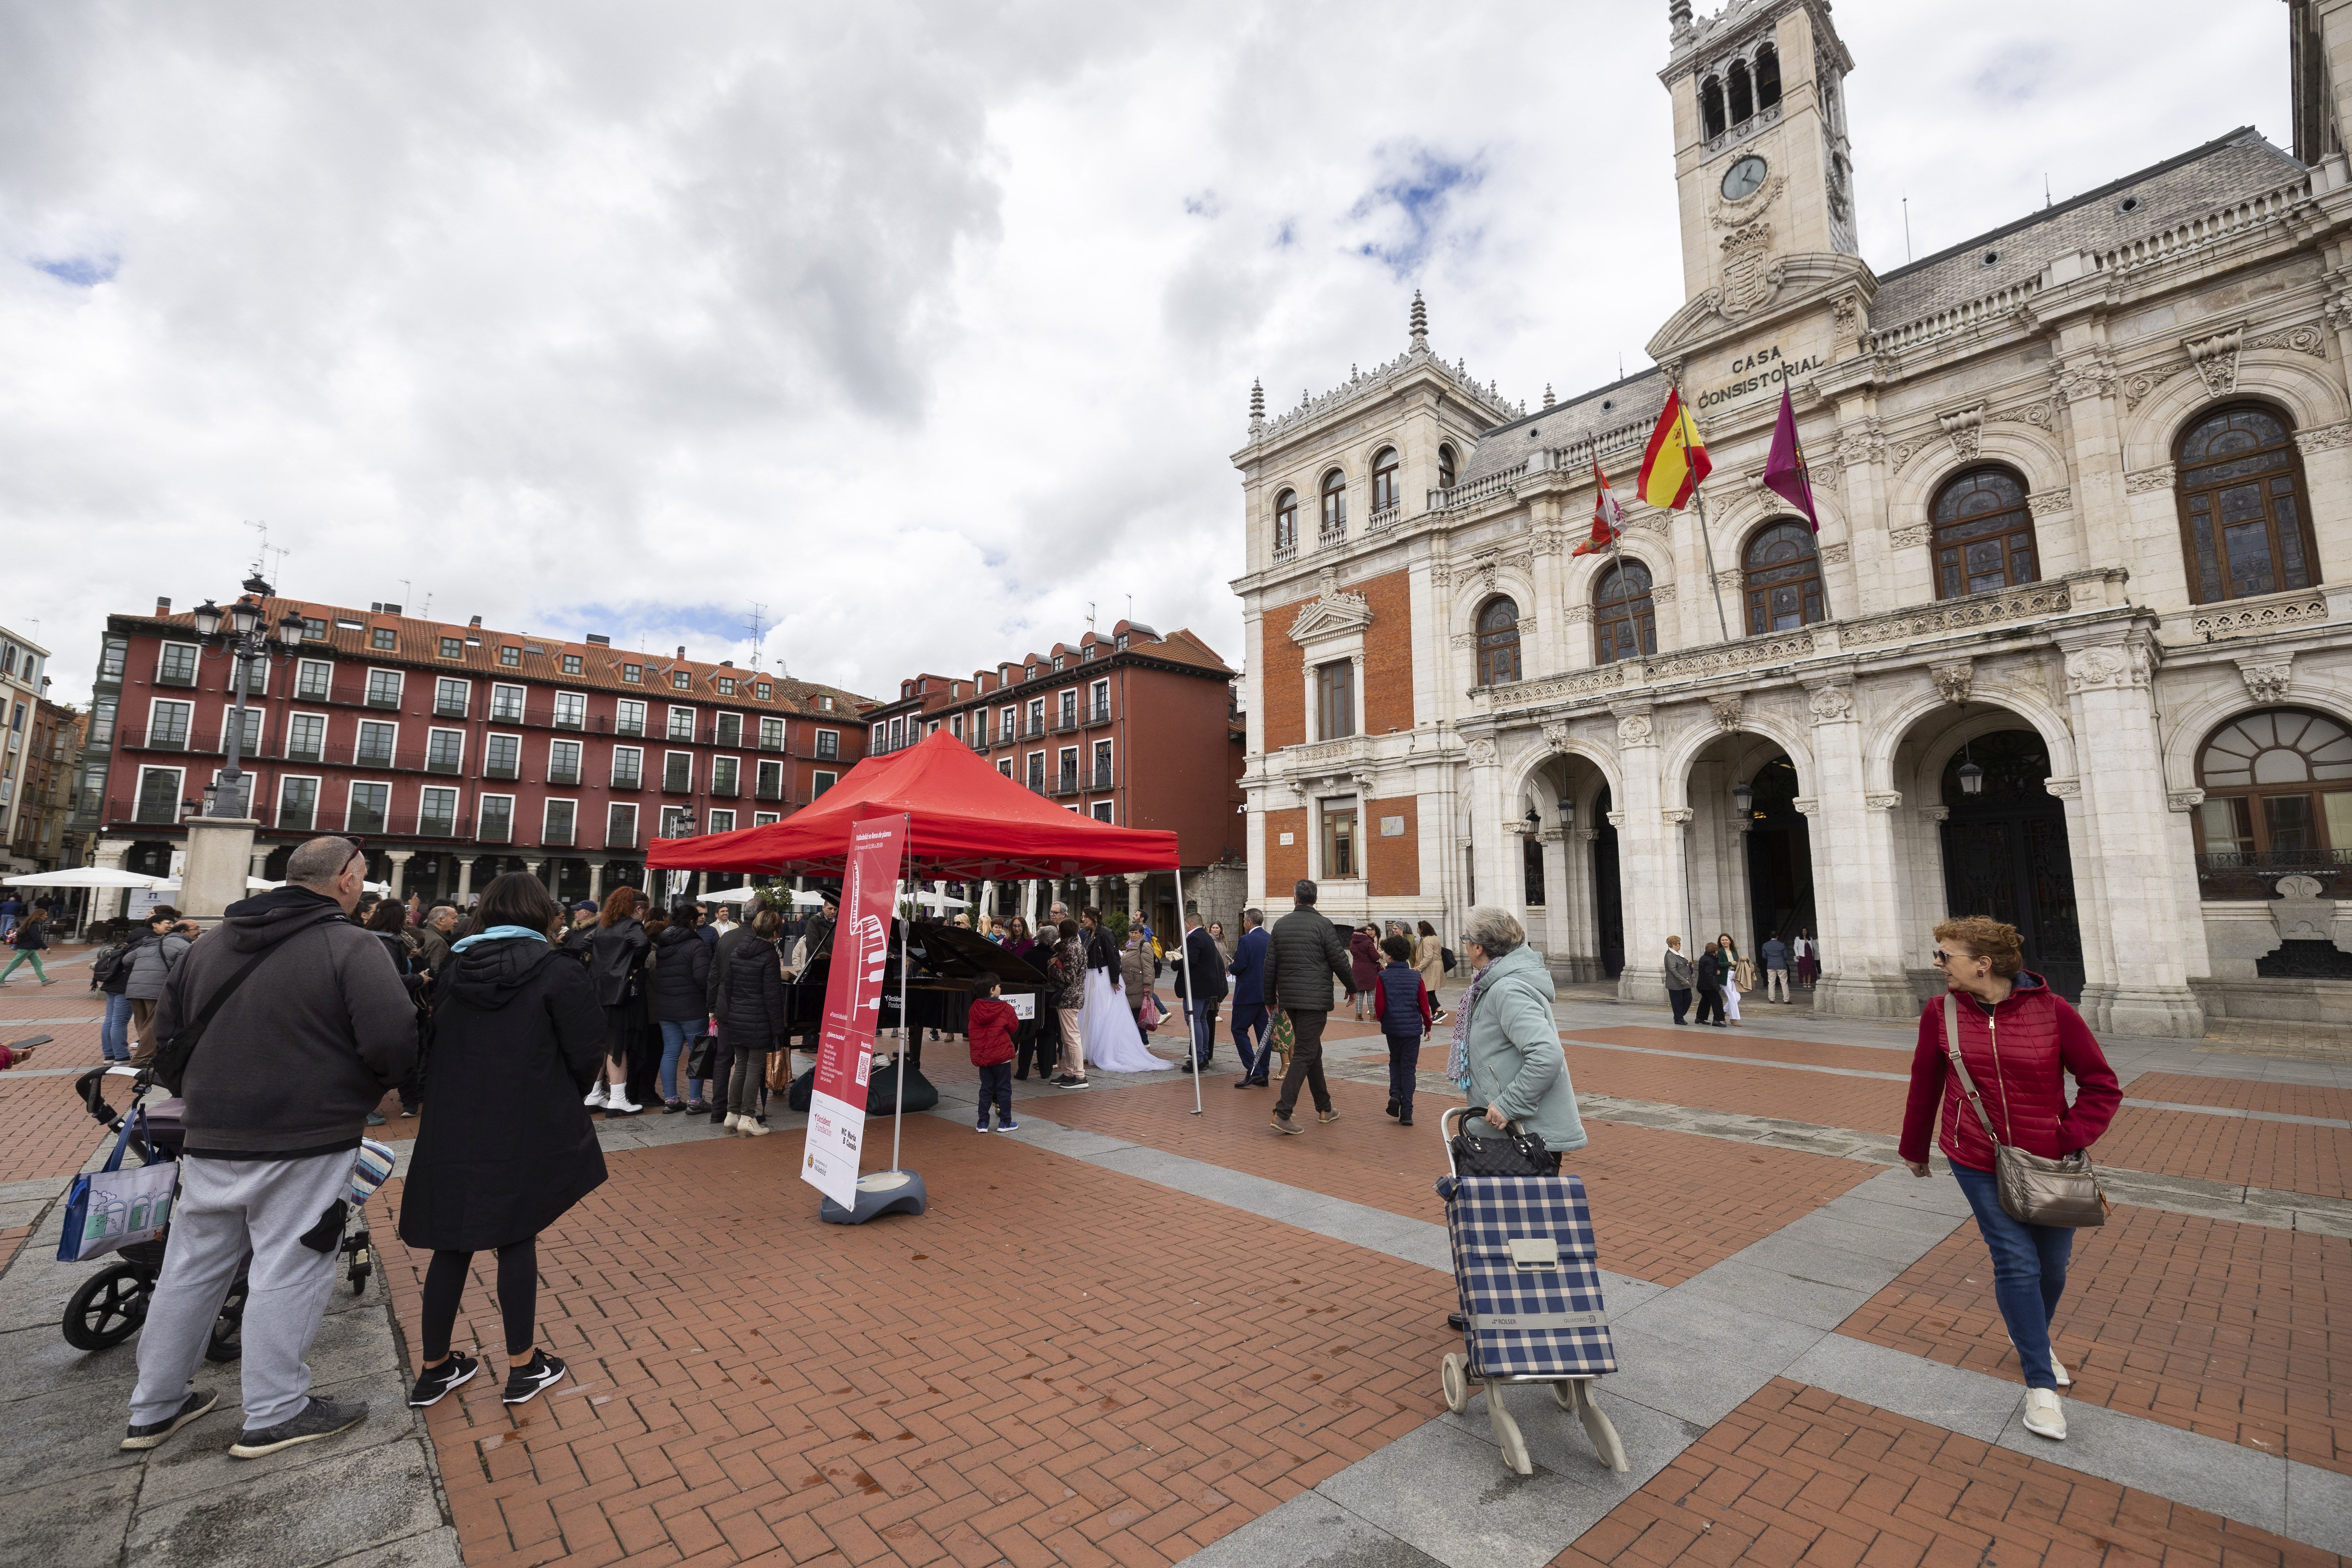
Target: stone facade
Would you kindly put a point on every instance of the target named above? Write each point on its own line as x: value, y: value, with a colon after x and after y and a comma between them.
x: 2070, y: 356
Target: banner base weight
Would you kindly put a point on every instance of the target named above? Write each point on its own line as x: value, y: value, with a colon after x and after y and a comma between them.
x: 881, y: 1193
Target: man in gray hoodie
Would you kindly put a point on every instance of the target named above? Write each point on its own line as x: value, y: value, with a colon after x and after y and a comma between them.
x: 317, y: 1028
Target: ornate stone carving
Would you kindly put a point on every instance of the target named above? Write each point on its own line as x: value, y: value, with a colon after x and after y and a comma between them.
x: 1909, y: 537
x: 1555, y: 734
x: 1616, y: 819
x: 1832, y: 702
x: 2049, y: 503
x: 2142, y: 480
x: 2266, y: 678
x: 2216, y: 359
x: 1726, y: 710
x: 1934, y: 814
x: 1662, y: 594
x: 1591, y: 834
x: 1730, y: 577
x: 2185, y: 799
x: 2041, y: 414
x: 1902, y: 454
x: 2064, y: 789
x: 1837, y: 554
x: 1964, y: 429
x: 2325, y: 439
x: 1805, y: 805
x: 1333, y: 613
x: 2089, y: 374
x: 2140, y: 383
x: 1678, y: 816
x: 2307, y: 339
x: 2030, y: 602
x: 1633, y: 730
x: 1479, y: 752
x: 1581, y: 614
x: 2300, y: 914
x: 1745, y: 283
x: 2251, y: 617
x: 1953, y: 680
x: 1464, y: 639
x: 2106, y: 668
x: 1883, y: 799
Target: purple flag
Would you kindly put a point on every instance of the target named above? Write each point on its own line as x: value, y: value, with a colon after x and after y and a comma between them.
x: 1784, y: 470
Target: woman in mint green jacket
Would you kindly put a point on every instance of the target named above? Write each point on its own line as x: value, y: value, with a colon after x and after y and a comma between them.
x: 1507, y: 1054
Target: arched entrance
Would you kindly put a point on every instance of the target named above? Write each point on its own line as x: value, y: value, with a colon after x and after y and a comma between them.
x: 1779, y: 856
x: 1608, y: 896
x: 2006, y: 855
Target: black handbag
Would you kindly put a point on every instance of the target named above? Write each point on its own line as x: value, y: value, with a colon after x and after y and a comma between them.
x: 697, y: 1057
x: 1514, y: 1154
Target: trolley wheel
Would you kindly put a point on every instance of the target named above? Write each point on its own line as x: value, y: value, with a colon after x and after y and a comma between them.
x: 1507, y: 1436
x: 1454, y: 1373
x: 108, y: 1307
x: 227, y: 1342
x: 1564, y: 1395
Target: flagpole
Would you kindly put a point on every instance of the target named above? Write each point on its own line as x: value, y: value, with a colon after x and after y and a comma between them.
x: 1682, y: 434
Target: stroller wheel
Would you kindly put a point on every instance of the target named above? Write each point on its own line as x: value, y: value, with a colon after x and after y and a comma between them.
x: 228, y: 1342
x: 108, y: 1307
x: 1453, y: 1371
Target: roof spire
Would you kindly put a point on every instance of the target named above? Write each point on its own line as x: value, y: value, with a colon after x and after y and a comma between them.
x: 1678, y: 18
x: 1547, y: 397
x: 1420, y: 321
x: 1257, y: 407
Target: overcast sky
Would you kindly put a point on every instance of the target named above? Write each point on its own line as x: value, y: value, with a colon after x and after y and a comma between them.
x: 927, y: 327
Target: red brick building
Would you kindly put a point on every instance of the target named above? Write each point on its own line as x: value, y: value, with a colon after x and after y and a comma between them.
x: 457, y: 752
x: 1124, y: 726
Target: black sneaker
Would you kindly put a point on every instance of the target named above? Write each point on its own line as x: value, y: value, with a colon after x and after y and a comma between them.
x: 147, y: 1436
x: 1392, y: 1106
x: 524, y: 1382
x: 320, y: 1418
x: 435, y: 1381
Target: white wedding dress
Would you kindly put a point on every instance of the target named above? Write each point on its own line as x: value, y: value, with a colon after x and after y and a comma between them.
x: 1107, y: 1029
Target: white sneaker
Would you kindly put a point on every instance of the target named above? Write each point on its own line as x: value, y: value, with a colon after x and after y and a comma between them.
x: 595, y: 1095
x: 2044, y: 1417
x: 2057, y: 1367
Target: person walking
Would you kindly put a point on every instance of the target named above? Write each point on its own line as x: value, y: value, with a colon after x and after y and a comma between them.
x: 987, y: 1033
x: 1429, y: 957
x: 1066, y: 966
x: 109, y: 973
x: 1738, y: 975
x: 1406, y: 1015
x: 1364, y: 969
x: 1248, y: 969
x: 681, y: 966
x: 710, y: 1094
x: 1679, y: 978
x: 1506, y: 1053
x: 752, y: 1008
x: 1207, y: 990
x: 12, y: 909
x: 1775, y: 954
x: 151, y: 966
x: 616, y: 958
x: 517, y: 1039
x: 276, y: 1095
x: 1305, y: 955
x: 30, y: 939
x: 2018, y: 1042
x: 1711, y: 971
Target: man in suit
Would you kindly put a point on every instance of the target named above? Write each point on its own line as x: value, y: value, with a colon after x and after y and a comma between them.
x: 1248, y: 969
x: 1207, y: 989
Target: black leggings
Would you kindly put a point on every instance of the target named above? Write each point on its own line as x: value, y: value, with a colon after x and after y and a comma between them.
x: 444, y: 1283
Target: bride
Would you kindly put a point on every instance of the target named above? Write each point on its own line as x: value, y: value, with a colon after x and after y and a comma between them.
x: 1108, y: 1027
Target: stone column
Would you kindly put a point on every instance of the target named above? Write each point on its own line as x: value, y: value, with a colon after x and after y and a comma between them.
x: 1651, y: 858
x: 596, y: 881
x: 2130, y: 851
x: 1584, y: 912
x: 1853, y: 844
x: 464, y: 893
x: 987, y: 905
x: 533, y: 866
x: 1493, y: 845
x: 111, y: 853
x: 1563, y: 941
x: 1134, y: 895
x: 397, y: 879
x: 218, y: 849
x: 1094, y: 891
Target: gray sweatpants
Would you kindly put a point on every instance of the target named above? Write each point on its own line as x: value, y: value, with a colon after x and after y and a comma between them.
x: 225, y: 1209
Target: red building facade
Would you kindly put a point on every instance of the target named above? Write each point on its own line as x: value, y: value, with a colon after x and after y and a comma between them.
x: 454, y: 751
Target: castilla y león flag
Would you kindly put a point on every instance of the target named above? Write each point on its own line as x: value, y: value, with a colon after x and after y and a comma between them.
x: 1675, y: 461
x: 1608, y: 522
x: 1784, y: 470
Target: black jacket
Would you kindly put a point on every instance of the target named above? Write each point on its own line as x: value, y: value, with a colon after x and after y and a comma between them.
x: 1207, y: 967
x: 1710, y: 968
x: 505, y: 1147
x: 293, y: 1062
x: 1101, y: 951
x: 1304, y: 954
x: 729, y: 946
x: 615, y: 954
x: 752, y: 1001
x: 681, y: 976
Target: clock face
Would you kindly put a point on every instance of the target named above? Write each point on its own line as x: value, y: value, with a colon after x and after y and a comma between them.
x: 1743, y: 179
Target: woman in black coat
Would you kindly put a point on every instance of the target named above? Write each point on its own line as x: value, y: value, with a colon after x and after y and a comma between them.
x: 508, y: 1148
x: 681, y: 993
x: 616, y: 952
x: 752, y: 1008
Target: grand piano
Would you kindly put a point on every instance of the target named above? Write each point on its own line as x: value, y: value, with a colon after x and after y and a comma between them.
x: 949, y: 961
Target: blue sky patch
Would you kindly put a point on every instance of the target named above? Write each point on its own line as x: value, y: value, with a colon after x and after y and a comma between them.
x: 82, y: 271
x: 1420, y: 195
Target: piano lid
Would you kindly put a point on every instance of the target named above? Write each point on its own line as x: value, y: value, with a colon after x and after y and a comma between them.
x: 945, y: 952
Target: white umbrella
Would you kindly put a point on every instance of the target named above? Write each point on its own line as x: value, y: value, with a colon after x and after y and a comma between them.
x: 83, y: 877
x: 252, y: 885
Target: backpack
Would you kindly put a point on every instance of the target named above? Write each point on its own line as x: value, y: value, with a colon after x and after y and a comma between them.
x: 1445, y: 956
x: 112, y: 965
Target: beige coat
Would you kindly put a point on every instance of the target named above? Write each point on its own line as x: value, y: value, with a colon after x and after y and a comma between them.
x: 1429, y: 957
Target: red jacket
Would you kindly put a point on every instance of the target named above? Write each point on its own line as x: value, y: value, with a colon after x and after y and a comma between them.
x: 2040, y: 1040
x: 990, y: 1031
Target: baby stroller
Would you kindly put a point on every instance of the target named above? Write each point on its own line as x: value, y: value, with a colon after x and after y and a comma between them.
x: 110, y: 1306
x: 1531, y: 1308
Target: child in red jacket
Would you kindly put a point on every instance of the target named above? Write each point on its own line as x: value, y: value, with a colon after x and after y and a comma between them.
x: 990, y: 1034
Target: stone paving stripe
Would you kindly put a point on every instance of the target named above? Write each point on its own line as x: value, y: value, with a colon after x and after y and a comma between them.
x: 2241, y: 1115
x: 1738, y: 1061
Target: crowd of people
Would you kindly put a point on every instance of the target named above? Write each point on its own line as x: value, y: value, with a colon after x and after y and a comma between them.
x: 1720, y: 975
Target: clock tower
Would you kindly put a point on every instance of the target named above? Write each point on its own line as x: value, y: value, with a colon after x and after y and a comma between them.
x: 1765, y: 175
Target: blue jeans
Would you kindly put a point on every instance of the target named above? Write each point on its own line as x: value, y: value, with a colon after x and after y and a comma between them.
x: 2029, y: 1272
x: 1405, y: 1060
x: 675, y: 1033
x: 1204, y: 1030
x: 1250, y: 1019
x: 115, y: 1030
x: 996, y: 1089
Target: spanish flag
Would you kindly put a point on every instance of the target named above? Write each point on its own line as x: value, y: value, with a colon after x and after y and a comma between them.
x: 1608, y: 522
x: 1675, y: 461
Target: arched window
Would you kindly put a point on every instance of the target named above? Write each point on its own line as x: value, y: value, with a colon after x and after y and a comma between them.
x: 1445, y: 467
x: 2244, y: 522
x: 1984, y: 534
x: 1743, y: 101
x: 1710, y: 108
x: 1384, y: 480
x: 1768, y: 76
x: 2278, y: 793
x: 1498, y: 643
x: 1335, y: 505
x: 1285, y: 520
x: 1783, y: 578
x: 1624, y: 624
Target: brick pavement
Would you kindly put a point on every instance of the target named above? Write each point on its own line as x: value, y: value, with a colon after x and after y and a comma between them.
x: 1057, y: 1363
x: 1799, y: 1476
x: 2242, y: 1094
x: 2214, y: 1326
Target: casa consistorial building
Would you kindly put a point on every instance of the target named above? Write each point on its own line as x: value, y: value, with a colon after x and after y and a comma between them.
x: 2070, y: 647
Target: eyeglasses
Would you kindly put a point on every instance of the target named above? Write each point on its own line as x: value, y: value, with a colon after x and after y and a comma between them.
x: 1943, y: 957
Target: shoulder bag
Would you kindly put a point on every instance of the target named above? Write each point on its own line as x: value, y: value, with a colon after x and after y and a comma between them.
x: 2034, y: 1189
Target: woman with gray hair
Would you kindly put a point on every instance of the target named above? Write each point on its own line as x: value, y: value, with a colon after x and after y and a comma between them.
x: 1507, y: 1054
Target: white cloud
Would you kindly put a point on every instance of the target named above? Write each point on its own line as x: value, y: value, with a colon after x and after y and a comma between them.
x: 925, y: 326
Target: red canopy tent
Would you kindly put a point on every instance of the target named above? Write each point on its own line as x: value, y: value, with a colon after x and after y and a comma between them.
x: 968, y: 823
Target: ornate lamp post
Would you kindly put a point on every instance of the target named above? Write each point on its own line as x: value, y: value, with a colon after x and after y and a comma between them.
x: 243, y: 642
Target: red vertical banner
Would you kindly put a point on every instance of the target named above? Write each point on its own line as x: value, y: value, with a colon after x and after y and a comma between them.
x: 853, y: 998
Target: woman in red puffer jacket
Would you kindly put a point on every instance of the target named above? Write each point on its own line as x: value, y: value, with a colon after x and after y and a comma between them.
x: 2020, y: 1042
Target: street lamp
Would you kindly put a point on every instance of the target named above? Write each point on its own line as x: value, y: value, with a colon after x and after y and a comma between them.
x: 246, y: 640
x: 1567, y: 812
x: 1971, y: 776
x: 1743, y: 797
x: 1534, y: 821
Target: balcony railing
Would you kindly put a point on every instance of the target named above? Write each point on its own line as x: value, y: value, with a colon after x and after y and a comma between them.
x: 390, y: 700
x: 503, y: 713
x: 175, y: 677
x: 570, y: 721
x: 769, y: 789
x: 677, y: 781
x: 443, y: 763
x: 629, y: 781
x: 558, y: 837
x: 1099, y: 713
x: 1065, y: 722
x: 445, y: 709
x: 771, y: 743
x: 621, y: 837
x: 1066, y: 781
x: 495, y: 830
x: 567, y: 777
x: 1102, y: 776
x: 501, y: 770
x: 2260, y: 870
x: 726, y: 788
x: 371, y: 757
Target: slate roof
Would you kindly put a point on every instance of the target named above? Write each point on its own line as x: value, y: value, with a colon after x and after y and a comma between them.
x: 1636, y: 400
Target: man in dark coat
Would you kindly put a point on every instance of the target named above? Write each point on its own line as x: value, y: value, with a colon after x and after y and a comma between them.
x: 1713, y: 964
x: 1248, y: 969
x: 1304, y: 958
x: 681, y: 964
x: 1209, y: 978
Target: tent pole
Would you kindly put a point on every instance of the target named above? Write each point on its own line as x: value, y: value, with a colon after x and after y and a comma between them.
x: 898, y: 1115
x: 1184, y: 957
